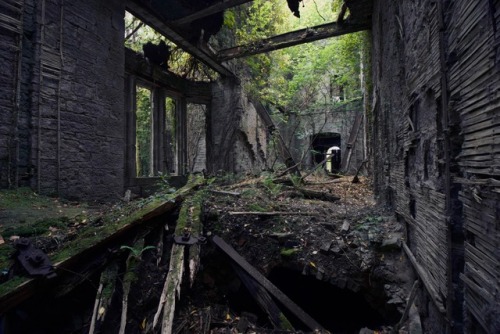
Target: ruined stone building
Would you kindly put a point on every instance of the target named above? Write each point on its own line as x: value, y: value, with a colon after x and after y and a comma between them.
x: 67, y: 123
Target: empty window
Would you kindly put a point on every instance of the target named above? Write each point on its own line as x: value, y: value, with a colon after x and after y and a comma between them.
x: 144, y: 152
x: 170, y: 141
x: 196, y: 136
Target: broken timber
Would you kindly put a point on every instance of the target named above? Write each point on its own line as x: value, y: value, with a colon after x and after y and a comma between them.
x: 313, y: 194
x: 351, y: 141
x: 291, y: 38
x: 189, y: 221
x: 271, y: 213
x: 270, y: 287
x: 83, y: 261
x: 266, y: 302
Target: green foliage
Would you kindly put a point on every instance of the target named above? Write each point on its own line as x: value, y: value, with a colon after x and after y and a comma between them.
x: 180, y: 62
x: 164, y: 183
x: 273, y: 188
x: 296, y: 180
x: 256, y: 207
x: 299, y: 77
x: 143, y: 132
x: 137, y: 252
x: 35, y: 229
x: 289, y: 251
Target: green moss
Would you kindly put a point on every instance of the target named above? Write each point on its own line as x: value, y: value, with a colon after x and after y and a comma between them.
x: 11, y: 284
x: 92, y: 234
x: 34, y: 229
x: 289, y: 251
x: 285, y: 323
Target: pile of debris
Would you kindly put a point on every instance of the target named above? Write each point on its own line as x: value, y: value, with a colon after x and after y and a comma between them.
x: 181, y: 262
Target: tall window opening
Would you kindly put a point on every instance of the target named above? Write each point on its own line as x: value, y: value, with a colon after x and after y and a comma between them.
x: 196, y: 135
x: 171, y: 150
x: 144, y: 132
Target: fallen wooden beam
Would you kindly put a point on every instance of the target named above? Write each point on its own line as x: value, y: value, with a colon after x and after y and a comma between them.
x: 87, y: 259
x: 277, y: 318
x: 271, y: 213
x: 425, y: 280
x: 313, y: 194
x: 270, y: 287
x: 189, y: 221
x: 222, y: 192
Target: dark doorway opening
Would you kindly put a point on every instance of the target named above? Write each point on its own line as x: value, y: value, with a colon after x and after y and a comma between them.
x: 327, y: 144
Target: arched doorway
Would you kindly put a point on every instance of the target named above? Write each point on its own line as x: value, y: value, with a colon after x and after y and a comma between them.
x: 321, y: 143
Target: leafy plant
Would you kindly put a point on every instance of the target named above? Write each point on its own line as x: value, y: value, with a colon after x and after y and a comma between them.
x: 273, y: 188
x: 256, y: 207
x: 137, y: 252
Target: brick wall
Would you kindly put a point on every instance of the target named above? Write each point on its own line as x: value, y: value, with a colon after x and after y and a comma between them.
x: 67, y: 138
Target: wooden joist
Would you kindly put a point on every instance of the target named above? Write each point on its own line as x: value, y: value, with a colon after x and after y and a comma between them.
x: 264, y: 299
x: 290, y: 39
x: 270, y: 287
x: 159, y: 25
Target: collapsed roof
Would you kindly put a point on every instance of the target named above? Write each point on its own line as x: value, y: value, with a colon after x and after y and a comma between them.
x: 190, y: 24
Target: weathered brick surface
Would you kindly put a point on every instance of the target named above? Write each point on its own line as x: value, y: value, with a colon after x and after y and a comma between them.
x: 79, y: 115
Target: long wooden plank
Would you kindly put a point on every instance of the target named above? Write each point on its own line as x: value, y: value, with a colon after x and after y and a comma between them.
x: 277, y: 293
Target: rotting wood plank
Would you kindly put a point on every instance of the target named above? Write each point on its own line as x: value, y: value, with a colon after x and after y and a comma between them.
x: 278, y: 294
x: 290, y: 39
x: 271, y: 213
x: 479, y: 276
x: 263, y: 298
x: 353, y: 135
x: 94, y: 257
x: 189, y: 221
x: 425, y: 280
x: 171, y: 289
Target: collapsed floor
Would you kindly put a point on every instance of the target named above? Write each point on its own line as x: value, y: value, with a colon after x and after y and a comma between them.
x: 338, y: 257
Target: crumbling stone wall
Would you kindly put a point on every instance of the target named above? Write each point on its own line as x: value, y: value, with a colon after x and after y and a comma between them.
x: 69, y: 130
x: 435, y: 75
x: 237, y: 138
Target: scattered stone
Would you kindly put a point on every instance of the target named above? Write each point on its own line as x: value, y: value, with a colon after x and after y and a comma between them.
x: 320, y: 274
x: 335, y: 250
x: 326, y: 247
x: 345, y: 227
x: 392, y: 243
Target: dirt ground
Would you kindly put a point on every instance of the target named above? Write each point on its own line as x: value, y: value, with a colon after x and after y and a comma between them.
x: 338, y: 258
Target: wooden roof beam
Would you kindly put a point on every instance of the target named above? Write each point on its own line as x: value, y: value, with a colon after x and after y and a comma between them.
x: 292, y: 38
x: 218, y: 7
x: 159, y: 25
